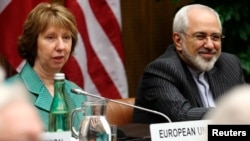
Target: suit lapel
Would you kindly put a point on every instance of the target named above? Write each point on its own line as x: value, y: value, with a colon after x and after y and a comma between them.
x: 40, y: 96
x: 216, y: 82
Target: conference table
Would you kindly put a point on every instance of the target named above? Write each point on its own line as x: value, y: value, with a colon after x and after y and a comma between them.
x: 134, y: 132
x: 129, y: 132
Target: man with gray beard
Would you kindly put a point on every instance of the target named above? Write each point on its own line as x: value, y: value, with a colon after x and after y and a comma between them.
x: 185, y: 82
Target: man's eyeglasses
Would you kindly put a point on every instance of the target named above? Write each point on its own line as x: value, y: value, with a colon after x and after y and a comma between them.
x: 202, y: 36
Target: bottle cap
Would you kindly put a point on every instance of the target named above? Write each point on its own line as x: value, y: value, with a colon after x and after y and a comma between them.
x: 59, y: 76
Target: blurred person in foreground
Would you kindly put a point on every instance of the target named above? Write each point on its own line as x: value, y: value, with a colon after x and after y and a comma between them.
x: 185, y: 82
x: 19, y: 120
x: 48, y: 39
x: 232, y: 108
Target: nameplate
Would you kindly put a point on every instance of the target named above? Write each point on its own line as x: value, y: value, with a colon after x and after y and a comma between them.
x: 56, y: 136
x: 180, y: 131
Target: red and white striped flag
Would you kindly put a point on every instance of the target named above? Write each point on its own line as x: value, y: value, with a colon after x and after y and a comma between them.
x: 98, y: 61
x: 99, y: 56
x: 12, y: 16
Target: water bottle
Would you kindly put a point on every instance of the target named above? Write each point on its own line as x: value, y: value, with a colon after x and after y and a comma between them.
x: 59, y: 116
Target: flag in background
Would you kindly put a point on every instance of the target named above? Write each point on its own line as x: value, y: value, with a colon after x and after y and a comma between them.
x: 12, y: 16
x: 98, y: 62
x: 99, y: 53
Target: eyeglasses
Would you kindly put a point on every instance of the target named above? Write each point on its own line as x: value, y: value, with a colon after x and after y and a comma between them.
x: 202, y: 36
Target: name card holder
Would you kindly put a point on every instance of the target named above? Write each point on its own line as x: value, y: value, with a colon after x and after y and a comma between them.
x: 180, y: 131
x: 56, y: 136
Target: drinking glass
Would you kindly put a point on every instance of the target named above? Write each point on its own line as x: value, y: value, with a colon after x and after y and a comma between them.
x: 113, y: 128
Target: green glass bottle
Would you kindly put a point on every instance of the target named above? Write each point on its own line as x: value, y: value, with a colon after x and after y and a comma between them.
x: 59, y: 116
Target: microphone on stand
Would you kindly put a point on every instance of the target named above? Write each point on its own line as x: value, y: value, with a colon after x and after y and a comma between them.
x: 79, y: 91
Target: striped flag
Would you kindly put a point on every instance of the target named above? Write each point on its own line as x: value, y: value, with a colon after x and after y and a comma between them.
x: 12, y: 16
x: 98, y: 62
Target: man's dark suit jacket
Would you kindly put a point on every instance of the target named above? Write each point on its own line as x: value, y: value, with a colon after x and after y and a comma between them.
x: 167, y: 86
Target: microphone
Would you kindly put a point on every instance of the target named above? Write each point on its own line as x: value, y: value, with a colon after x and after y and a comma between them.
x: 79, y: 91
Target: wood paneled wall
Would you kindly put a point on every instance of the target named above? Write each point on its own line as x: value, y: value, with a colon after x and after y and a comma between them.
x: 146, y: 33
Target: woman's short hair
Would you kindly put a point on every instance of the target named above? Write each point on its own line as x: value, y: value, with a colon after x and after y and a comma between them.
x: 42, y: 16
